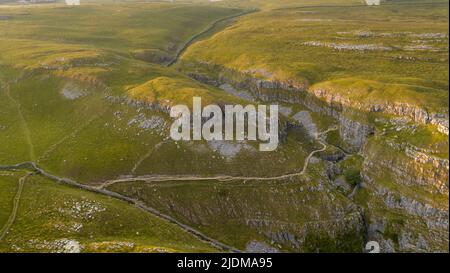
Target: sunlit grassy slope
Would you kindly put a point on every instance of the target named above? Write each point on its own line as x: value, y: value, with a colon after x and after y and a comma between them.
x: 136, y: 28
x: 69, y: 78
x: 53, y: 217
x: 107, y: 46
x: 407, y: 59
x: 85, y: 109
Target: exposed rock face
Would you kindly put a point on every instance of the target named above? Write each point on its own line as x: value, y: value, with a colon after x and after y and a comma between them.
x: 437, y: 172
x: 409, y: 167
x: 354, y: 133
x: 375, y: 231
x: 287, y: 91
x: 297, y: 235
x: 400, y: 109
x: 165, y: 108
x: 304, y: 118
x: 408, y: 242
x: 72, y: 92
x: 334, y: 157
x: 238, y: 93
x: 435, y: 218
x: 148, y: 123
x: 410, y: 184
x: 311, y: 222
x: 259, y: 247
x: 139, y: 104
x: 416, y: 114
x: 424, y: 228
x: 441, y: 123
x: 421, y: 223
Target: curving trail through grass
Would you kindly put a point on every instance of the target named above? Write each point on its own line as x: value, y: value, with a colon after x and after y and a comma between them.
x: 147, y: 155
x: 305, y: 166
x: 66, y: 137
x: 12, y: 217
x: 102, y: 190
x: 166, y: 178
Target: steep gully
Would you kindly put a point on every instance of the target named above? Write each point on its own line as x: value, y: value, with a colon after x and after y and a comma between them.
x: 342, y: 120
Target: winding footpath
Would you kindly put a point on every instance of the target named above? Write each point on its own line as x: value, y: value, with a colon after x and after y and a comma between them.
x: 12, y: 217
x: 147, y: 155
x: 223, y: 178
x: 66, y: 137
x: 102, y: 190
x: 139, y: 204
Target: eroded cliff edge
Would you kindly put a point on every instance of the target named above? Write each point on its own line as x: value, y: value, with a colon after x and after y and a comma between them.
x: 403, y: 191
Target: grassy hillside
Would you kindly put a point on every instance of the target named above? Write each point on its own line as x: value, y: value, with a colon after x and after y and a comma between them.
x: 347, y: 51
x: 147, y: 30
x: 57, y: 218
x: 62, y: 91
x: 290, y: 215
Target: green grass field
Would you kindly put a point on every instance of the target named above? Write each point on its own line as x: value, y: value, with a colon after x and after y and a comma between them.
x: 348, y: 51
x: 57, y: 218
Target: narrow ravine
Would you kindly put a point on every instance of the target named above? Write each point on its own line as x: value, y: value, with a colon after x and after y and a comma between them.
x: 223, y: 178
x: 185, y: 46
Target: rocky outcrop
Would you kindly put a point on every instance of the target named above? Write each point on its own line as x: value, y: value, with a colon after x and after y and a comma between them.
x: 420, y: 224
x: 138, y: 103
x: 402, y: 223
x: 408, y: 166
x: 314, y: 235
x: 283, y: 124
x: 442, y: 124
x: 354, y: 133
x: 432, y: 170
x: 260, y: 247
x: 435, y: 218
x: 286, y: 91
x: 304, y: 118
x: 419, y: 115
